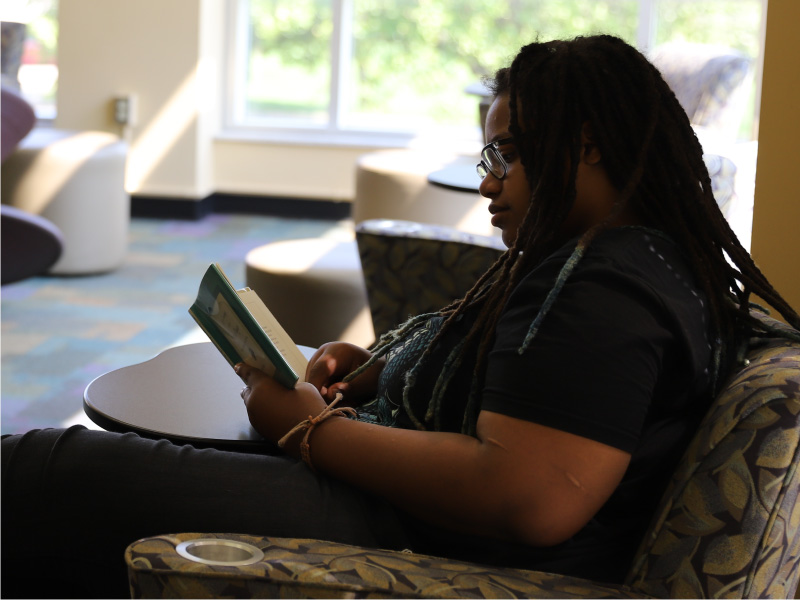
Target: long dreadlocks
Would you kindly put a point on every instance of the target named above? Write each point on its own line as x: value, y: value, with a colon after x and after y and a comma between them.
x: 650, y: 154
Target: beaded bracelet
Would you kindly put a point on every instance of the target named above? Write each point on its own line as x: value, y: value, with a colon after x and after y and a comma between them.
x: 310, y: 423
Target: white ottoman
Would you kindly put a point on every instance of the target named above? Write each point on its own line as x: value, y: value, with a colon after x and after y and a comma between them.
x: 315, y: 289
x: 76, y: 180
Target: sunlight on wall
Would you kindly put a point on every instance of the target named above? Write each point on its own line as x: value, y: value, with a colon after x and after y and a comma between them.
x: 161, y: 134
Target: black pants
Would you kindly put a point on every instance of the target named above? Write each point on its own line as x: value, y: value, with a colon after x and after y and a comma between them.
x: 72, y: 500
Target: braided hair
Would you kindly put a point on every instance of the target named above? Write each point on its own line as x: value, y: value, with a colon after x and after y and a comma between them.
x: 654, y: 159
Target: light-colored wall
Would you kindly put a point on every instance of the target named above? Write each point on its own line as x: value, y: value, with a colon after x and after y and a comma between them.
x: 155, y: 50
x: 776, y: 213
x: 273, y: 169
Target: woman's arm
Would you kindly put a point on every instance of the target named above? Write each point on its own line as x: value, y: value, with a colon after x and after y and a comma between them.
x: 517, y: 480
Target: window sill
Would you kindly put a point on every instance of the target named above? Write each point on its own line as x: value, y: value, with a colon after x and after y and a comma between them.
x: 461, y: 141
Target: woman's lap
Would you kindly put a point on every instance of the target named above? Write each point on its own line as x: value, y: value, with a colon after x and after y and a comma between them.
x: 74, y: 499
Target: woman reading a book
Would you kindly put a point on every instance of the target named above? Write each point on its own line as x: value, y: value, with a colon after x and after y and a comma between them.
x: 533, y: 423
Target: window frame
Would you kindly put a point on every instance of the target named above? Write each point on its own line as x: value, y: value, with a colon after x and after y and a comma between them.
x: 236, y: 44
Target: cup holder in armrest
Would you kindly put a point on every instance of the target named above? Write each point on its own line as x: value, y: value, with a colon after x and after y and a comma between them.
x: 210, y: 551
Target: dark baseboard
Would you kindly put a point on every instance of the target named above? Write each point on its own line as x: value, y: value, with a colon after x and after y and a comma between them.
x: 170, y: 208
x: 191, y: 209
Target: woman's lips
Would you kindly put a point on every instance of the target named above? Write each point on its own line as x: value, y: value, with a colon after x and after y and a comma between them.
x: 497, y: 214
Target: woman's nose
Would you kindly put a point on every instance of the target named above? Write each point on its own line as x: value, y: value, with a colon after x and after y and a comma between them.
x: 490, y: 186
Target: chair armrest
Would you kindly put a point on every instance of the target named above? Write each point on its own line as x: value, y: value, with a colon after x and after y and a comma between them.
x: 303, y: 568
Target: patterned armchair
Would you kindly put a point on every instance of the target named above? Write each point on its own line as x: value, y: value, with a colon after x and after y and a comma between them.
x: 412, y: 268
x: 727, y: 526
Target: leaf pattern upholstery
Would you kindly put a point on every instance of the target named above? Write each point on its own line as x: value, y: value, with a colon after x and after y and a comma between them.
x: 413, y: 268
x: 302, y: 568
x: 728, y: 525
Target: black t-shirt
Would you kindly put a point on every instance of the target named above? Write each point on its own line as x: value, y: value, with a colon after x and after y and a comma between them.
x: 621, y: 357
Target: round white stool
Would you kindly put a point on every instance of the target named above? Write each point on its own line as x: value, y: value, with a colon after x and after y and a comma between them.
x: 315, y: 289
x: 76, y: 180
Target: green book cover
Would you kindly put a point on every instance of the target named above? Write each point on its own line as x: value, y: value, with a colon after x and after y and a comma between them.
x: 243, y: 329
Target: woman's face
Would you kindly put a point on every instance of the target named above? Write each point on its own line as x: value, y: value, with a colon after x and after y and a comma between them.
x: 510, y: 197
x: 595, y: 196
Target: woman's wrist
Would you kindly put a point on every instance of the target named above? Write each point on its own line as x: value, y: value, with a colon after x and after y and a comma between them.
x: 309, y: 425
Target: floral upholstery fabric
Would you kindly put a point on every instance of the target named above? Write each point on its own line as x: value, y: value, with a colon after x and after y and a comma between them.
x: 300, y: 568
x: 728, y: 525
x: 412, y: 268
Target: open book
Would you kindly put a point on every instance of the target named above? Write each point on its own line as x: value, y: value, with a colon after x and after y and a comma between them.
x: 244, y: 330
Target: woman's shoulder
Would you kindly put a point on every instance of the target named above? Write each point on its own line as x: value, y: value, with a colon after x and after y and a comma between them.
x: 639, y: 254
x: 632, y: 266
x: 635, y: 245
x: 633, y: 252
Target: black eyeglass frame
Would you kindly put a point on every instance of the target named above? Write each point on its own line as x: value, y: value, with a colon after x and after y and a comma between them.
x: 490, y: 156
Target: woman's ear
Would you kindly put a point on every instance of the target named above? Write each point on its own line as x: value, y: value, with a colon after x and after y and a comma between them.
x: 590, y: 153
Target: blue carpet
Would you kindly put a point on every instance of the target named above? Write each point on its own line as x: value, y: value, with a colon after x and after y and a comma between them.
x: 59, y: 333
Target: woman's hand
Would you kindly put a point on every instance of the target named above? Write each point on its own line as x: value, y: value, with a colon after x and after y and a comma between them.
x: 273, y: 409
x: 332, y: 362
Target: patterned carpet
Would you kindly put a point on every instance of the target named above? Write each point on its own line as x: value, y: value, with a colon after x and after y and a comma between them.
x: 59, y: 333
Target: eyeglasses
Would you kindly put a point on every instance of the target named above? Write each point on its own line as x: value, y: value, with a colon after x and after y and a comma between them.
x: 492, y: 161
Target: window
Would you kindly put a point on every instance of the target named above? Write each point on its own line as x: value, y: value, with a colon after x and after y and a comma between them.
x: 34, y: 63
x: 317, y: 69
x: 737, y: 24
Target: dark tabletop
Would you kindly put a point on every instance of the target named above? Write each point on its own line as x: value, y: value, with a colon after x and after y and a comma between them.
x: 187, y: 394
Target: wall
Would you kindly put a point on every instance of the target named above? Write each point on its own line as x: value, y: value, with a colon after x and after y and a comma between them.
x: 776, y: 212
x: 164, y: 54
x: 282, y: 170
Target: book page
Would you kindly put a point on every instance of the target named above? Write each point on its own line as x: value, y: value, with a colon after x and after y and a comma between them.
x: 275, y: 332
x: 239, y: 337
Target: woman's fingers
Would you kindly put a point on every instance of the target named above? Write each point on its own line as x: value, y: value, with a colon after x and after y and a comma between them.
x: 321, y: 371
x: 249, y: 376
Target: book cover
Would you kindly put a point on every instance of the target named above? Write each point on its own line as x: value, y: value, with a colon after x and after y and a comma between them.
x: 244, y: 330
